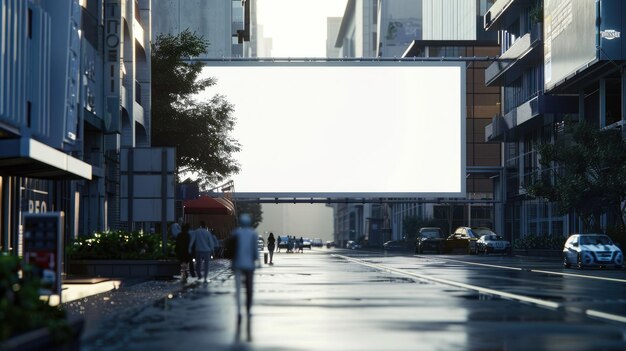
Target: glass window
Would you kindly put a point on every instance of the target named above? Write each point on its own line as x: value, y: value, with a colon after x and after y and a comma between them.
x: 485, y: 5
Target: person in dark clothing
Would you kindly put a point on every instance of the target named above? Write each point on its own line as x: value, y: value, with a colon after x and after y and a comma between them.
x: 271, y: 242
x: 182, y: 252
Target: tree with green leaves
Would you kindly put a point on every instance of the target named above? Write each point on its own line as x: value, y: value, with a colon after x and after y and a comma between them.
x: 200, y: 130
x: 584, y: 172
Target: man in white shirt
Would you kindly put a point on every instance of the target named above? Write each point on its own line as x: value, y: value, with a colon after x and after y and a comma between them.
x: 176, y: 228
x: 203, y: 239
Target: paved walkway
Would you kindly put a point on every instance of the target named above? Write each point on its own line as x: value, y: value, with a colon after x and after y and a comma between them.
x: 104, y: 299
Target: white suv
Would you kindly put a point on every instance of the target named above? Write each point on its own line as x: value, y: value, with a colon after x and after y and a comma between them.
x: 591, y: 250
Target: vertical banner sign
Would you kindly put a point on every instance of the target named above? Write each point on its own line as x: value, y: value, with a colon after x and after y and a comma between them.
x: 43, y: 247
x: 73, y: 74
x: 112, y: 47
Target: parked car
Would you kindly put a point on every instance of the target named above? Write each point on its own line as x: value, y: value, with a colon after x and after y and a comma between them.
x: 430, y: 239
x: 317, y: 242
x: 493, y: 243
x: 464, y: 239
x: 394, y: 245
x: 591, y: 250
x: 330, y: 244
x: 306, y: 243
x: 352, y: 245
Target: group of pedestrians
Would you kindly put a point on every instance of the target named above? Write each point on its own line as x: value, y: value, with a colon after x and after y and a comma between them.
x: 293, y: 244
x: 199, y: 245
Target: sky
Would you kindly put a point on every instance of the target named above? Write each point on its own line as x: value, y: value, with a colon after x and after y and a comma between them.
x: 298, y: 27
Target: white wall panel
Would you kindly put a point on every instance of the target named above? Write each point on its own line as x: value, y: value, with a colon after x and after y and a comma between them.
x: 449, y: 19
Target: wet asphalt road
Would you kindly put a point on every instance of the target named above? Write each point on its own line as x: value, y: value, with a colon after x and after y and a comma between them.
x: 356, y: 300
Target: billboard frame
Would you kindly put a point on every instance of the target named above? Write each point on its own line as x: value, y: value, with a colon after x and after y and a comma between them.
x: 460, y: 63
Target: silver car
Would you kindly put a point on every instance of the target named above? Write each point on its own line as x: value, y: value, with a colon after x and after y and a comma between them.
x: 492, y: 243
x: 591, y: 250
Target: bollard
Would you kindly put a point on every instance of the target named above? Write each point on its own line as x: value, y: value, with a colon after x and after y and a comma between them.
x: 265, y: 257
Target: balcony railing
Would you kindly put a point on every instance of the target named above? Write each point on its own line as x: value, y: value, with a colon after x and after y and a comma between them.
x: 526, y: 49
x: 502, y: 10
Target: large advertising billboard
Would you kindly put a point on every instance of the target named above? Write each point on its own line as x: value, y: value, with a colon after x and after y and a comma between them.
x: 570, y: 38
x: 346, y: 129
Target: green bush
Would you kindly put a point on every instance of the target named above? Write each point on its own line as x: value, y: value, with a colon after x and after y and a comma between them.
x: 541, y: 242
x: 120, y: 245
x: 21, y: 309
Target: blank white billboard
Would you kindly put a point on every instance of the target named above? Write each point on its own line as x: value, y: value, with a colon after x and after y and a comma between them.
x: 346, y: 129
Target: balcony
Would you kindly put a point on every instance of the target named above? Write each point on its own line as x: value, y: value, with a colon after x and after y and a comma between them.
x: 526, y: 51
x: 138, y: 114
x: 503, y: 13
x: 529, y: 115
x: 138, y: 33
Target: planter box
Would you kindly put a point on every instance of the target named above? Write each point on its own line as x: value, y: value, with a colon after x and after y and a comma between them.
x: 41, y: 339
x: 124, y: 268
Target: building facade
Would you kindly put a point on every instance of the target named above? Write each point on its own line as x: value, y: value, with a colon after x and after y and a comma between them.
x: 561, y: 62
x: 76, y: 92
x: 430, y: 29
x: 221, y: 22
x: 332, y: 29
x: 357, y: 35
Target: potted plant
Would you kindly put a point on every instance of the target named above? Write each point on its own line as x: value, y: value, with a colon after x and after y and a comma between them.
x: 26, y: 321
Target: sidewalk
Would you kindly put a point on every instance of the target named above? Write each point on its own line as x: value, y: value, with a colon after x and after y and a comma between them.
x: 98, y: 299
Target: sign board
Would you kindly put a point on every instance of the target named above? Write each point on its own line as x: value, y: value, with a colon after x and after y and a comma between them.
x: 147, y: 184
x: 570, y: 38
x: 43, y: 247
x: 390, y: 129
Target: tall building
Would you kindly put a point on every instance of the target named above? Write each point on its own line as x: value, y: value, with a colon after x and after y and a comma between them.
x: 218, y: 21
x: 263, y: 43
x: 332, y: 29
x: 560, y: 62
x: 431, y: 28
x: 75, y: 87
x: 357, y: 34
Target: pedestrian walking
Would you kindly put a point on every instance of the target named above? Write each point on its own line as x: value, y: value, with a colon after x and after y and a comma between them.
x: 245, y: 260
x: 192, y: 254
x: 202, y: 238
x: 301, y: 245
x: 182, y: 252
x: 176, y: 228
x: 215, y: 243
x: 270, y: 247
x: 279, y: 240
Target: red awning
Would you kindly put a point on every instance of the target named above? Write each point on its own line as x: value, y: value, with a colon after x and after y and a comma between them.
x: 208, y: 205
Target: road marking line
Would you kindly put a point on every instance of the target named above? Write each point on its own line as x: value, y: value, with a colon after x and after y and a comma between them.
x: 604, y: 315
x: 484, y: 264
x: 579, y: 275
x: 538, y: 271
x: 503, y: 294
